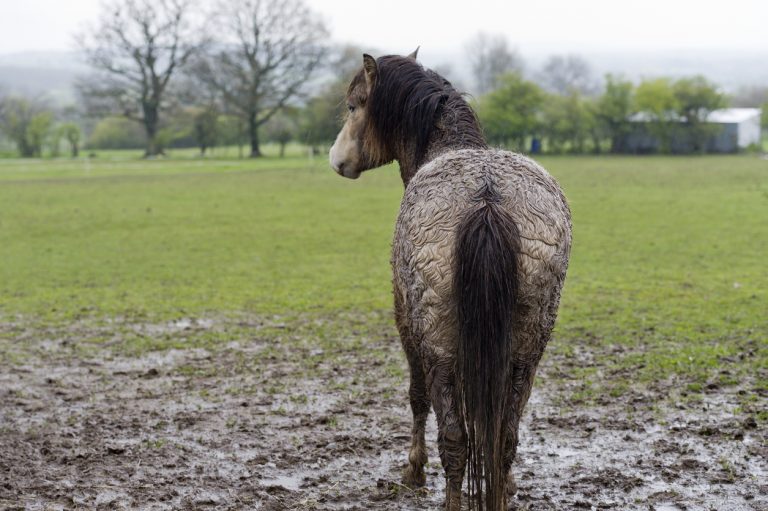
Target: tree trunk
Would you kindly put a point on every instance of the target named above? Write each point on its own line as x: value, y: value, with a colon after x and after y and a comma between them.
x: 150, y: 126
x: 253, y: 133
x: 75, y: 150
x: 25, y: 149
x: 282, y: 149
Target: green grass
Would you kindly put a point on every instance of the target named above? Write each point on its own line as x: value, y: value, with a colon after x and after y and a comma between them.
x: 163, y: 238
x: 669, y: 253
x: 670, y: 245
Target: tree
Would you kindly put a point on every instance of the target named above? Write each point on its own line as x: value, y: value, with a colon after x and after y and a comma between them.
x: 753, y: 97
x: 750, y: 97
x: 509, y: 113
x: 567, y: 119
x: 491, y: 58
x: 613, y: 109
x: 563, y: 74
x: 554, y: 124
x: 696, y: 98
x: 27, y: 123
x: 320, y: 119
x: 116, y: 133
x: 231, y: 130
x: 765, y: 116
x: 656, y: 99
x: 281, y: 128
x: 278, y: 45
x: 594, y: 126
x: 136, y: 48
x: 346, y: 60
x: 206, y: 127
x: 71, y: 132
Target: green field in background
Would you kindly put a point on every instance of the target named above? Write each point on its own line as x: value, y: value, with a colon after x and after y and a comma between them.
x: 669, y: 252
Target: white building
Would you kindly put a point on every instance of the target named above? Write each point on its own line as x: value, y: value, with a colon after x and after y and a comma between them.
x: 739, y: 129
x: 741, y: 126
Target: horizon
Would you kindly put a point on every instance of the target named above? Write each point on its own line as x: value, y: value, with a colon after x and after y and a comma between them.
x: 592, y: 25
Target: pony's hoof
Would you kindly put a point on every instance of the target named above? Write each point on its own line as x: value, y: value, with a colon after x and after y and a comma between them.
x: 511, y: 484
x: 452, y: 498
x: 414, y: 478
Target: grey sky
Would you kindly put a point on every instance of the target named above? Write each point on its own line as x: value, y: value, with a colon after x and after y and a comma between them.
x: 399, y: 25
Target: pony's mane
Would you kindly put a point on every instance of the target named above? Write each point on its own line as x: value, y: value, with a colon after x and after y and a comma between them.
x: 406, y: 103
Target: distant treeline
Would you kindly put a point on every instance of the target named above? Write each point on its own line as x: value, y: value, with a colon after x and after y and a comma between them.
x: 162, y: 79
x: 519, y: 112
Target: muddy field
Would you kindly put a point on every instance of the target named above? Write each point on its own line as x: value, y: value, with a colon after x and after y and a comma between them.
x: 273, y: 419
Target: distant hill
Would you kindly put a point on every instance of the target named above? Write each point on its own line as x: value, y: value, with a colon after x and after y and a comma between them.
x: 730, y: 69
x: 51, y: 74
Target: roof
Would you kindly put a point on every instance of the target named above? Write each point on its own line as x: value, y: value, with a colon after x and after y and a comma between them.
x: 721, y: 116
x: 733, y: 115
x: 649, y: 117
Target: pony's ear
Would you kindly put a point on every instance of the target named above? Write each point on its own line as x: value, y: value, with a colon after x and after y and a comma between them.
x: 371, y: 70
x: 413, y: 54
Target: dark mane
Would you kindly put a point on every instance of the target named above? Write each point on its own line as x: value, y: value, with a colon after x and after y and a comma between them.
x: 409, y: 104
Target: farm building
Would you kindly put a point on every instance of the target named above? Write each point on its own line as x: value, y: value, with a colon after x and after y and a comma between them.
x: 732, y: 129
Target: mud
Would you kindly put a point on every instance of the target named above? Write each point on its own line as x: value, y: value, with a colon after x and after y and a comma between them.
x: 280, y: 421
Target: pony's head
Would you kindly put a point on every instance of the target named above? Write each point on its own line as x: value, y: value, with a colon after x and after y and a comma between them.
x: 359, y: 146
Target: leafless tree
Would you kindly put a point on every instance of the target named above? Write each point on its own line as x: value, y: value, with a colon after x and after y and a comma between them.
x: 347, y: 59
x: 277, y: 46
x: 491, y: 58
x: 752, y: 96
x: 564, y: 74
x: 136, y: 48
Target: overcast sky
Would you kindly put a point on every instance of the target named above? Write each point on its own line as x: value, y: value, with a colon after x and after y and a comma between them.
x: 396, y: 26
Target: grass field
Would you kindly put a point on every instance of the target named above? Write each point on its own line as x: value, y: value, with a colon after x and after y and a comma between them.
x: 147, y: 306
x: 669, y: 252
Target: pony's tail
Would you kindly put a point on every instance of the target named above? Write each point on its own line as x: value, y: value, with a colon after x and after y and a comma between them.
x: 486, y: 287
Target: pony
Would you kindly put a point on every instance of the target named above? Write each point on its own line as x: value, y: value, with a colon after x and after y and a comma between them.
x: 479, y: 258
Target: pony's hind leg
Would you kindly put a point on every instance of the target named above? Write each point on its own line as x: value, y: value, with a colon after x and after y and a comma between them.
x: 451, y: 437
x: 417, y: 457
x: 521, y: 384
x: 510, y: 450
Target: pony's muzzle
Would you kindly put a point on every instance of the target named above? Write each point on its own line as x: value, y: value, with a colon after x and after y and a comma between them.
x: 342, y: 167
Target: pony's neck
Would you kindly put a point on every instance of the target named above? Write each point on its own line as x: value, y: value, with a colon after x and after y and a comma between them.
x: 456, y: 128
x: 418, y: 115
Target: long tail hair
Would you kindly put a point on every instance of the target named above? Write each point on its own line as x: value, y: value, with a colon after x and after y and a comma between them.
x: 486, y: 290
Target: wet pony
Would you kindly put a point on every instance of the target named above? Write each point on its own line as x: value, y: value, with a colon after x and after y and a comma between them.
x: 479, y: 257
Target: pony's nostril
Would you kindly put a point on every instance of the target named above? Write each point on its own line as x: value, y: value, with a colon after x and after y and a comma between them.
x: 340, y: 167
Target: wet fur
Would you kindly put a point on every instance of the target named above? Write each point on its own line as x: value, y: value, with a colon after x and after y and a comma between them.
x: 406, y: 110
x: 485, y: 287
x: 479, y: 257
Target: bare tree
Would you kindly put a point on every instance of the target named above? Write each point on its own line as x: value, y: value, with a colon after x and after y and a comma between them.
x: 136, y: 48
x: 347, y: 59
x: 565, y: 74
x: 277, y: 46
x: 751, y: 96
x: 491, y: 58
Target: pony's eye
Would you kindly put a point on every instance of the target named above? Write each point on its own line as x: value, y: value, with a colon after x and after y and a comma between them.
x: 351, y: 108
